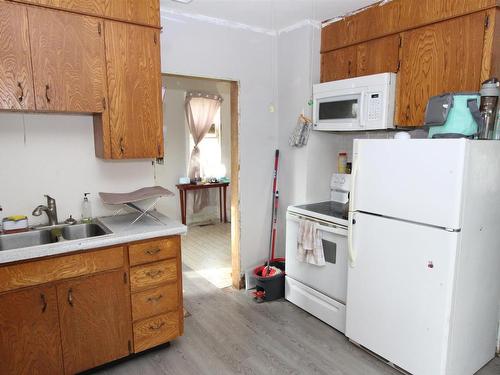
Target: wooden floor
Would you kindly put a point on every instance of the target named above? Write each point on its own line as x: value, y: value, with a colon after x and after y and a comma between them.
x: 207, y: 250
x: 228, y: 333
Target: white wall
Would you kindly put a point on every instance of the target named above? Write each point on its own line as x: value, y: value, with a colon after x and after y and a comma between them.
x: 55, y: 155
x: 195, y: 47
x: 177, y: 145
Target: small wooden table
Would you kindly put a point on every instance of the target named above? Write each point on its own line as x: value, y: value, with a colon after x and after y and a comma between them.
x: 184, y: 188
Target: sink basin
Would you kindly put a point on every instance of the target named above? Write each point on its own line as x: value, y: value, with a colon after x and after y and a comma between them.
x: 25, y: 239
x: 51, y: 235
x: 79, y: 231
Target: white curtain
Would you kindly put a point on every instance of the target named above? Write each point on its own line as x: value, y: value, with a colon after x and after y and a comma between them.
x: 200, y: 112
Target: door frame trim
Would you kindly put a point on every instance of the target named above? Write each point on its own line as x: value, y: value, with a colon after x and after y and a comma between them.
x: 236, y: 275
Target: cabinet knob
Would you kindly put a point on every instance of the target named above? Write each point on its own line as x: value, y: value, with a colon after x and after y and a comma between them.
x: 70, y: 297
x: 44, y: 302
x: 47, y: 88
x: 20, y: 98
x: 122, y: 148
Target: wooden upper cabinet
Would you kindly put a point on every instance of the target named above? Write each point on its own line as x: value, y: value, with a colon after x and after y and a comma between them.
x: 378, y: 56
x: 68, y: 61
x: 145, y: 12
x: 95, y: 319
x: 16, y: 80
x: 443, y: 57
x: 339, y: 64
x: 134, y: 91
x: 29, y: 332
x: 372, y: 57
x: 392, y: 17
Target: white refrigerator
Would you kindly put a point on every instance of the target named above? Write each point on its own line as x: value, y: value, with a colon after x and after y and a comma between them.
x: 423, y: 286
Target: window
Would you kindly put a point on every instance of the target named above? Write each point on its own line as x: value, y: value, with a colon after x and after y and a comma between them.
x: 210, y: 150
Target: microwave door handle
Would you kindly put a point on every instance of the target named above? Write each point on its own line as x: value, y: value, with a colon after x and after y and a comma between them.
x: 362, y: 110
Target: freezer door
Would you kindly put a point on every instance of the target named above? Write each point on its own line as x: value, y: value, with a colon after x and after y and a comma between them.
x: 399, y: 291
x: 419, y: 180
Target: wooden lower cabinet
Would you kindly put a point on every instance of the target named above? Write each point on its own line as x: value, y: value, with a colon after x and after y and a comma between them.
x: 155, y: 331
x: 71, y: 313
x: 29, y: 332
x: 95, y: 320
x: 155, y: 301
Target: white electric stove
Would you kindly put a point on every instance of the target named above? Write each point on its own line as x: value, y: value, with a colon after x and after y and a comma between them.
x: 321, y: 290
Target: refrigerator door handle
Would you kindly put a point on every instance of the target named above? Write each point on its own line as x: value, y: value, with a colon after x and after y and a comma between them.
x: 350, y: 246
x: 354, y: 176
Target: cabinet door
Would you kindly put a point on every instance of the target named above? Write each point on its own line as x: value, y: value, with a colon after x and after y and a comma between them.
x: 16, y: 79
x: 68, y: 61
x: 378, y: 56
x: 95, y: 320
x: 443, y: 57
x: 134, y: 90
x: 29, y: 332
x: 140, y: 11
x: 339, y: 64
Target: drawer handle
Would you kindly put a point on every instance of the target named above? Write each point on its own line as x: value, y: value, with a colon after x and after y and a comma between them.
x: 157, y: 326
x: 155, y: 299
x: 154, y: 274
x: 153, y: 251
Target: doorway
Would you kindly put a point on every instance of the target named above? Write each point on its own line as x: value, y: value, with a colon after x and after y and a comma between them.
x: 211, y: 247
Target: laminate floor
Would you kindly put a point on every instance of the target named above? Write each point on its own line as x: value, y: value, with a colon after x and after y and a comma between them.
x: 207, y: 250
x: 228, y: 333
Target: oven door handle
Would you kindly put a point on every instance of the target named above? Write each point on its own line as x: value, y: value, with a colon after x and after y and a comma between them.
x: 330, y: 229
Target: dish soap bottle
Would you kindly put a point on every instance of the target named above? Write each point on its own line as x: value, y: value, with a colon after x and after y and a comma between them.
x: 86, y: 209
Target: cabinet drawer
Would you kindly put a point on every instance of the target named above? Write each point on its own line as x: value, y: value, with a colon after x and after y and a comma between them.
x: 151, y: 275
x: 64, y: 267
x: 155, y: 301
x: 155, y: 331
x: 152, y: 251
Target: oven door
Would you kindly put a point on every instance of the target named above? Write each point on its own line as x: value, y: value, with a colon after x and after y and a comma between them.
x: 330, y: 279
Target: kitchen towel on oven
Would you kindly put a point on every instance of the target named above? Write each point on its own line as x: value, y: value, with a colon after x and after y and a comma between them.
x: 310, y: 244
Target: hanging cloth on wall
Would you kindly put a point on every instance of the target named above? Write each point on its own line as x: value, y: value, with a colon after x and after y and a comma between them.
x: 200, y: 112
x: 301, y: 132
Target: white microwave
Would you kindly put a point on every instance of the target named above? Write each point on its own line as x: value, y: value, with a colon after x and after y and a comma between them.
x: 355, y: 104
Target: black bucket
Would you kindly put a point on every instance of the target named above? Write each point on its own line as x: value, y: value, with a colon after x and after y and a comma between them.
x: 273, y: 287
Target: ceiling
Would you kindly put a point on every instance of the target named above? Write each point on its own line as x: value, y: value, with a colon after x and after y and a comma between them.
x: 268, y: 14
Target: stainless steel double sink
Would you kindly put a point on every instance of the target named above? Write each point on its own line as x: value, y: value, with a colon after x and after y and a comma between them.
x: 46, y: 235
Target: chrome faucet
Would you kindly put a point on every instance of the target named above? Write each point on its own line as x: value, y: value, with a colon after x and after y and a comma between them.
x: 50, y: 209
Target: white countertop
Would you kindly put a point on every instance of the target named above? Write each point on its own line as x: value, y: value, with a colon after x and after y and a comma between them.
x: 123, y: 232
